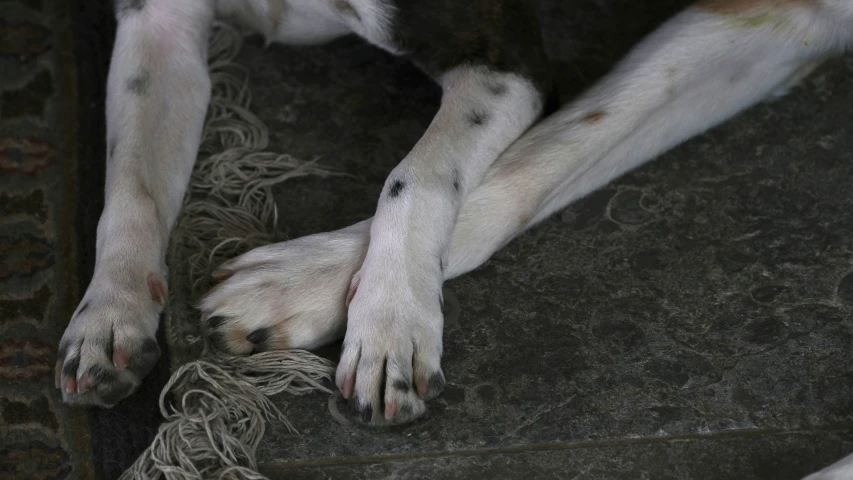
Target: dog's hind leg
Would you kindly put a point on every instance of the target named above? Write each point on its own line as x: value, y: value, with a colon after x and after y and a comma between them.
x: 157, y: 95
x: 702, y: 67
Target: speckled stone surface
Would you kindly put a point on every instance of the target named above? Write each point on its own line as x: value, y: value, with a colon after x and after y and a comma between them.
x: 770, y: 456
x: 706, y: 297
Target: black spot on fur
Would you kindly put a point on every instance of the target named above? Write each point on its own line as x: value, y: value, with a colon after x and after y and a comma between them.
x: 497, y: 89
x: 112, y: 151
x: 139, y: 83
x: 83, y: 308
x: 441, y: 264
x: 123, y: 7
x: 478, y: 117
x: 215, y: 321
x: 396, y: 188
x: 259, y: 336
x: 401, y: 385
x: 405, y: 410
x: 456, y: 179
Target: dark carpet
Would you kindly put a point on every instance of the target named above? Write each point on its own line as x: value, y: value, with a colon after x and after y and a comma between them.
x: 119, y: 434
x: 54, y: 57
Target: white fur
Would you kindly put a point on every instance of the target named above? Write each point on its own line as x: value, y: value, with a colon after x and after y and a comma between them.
x: 840, y: 470
x: 694, y: 72
x: 300, y: 285
x: 153, y: 137
x: 395, y: 315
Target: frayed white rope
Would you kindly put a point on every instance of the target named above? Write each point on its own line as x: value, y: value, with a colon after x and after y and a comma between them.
x: 230, y: 206
x: 222, y: 408
x: 214, y: 431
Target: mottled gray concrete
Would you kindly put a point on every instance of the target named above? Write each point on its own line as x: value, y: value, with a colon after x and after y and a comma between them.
x: 708, y: 295
x: 727, y: 457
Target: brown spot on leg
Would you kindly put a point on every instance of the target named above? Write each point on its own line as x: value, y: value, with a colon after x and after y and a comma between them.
x: 593, y: 117
x: 730, y: 7
x: 157, y: 289
x: 221, y: 274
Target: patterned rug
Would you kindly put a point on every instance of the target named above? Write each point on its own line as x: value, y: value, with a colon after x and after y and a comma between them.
x: 53, y: 62
x: 39, y: 437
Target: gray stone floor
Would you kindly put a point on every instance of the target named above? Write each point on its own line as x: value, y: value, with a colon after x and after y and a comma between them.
x: 691, y: 320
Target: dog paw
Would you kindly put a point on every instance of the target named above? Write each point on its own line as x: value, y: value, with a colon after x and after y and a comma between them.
x: 109, y: 344
x: 287, y: 295
x: 391, y: 360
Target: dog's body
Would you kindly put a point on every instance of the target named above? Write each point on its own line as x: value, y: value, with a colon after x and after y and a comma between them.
x: 476, y: 179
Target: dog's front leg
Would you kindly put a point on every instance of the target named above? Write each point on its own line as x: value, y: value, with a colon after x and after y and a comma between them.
x: 393, y: 338
x: 157, y: 94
